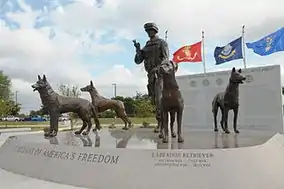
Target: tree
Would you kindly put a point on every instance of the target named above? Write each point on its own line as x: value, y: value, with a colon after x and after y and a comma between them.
x: 5, y: 87
x: 40, y: 112
x: 129, y: 104
x: 3, y: 107
x: 8, y: 106
x: 70, y: 91
x: 144, y: 108
x: 13, y: 108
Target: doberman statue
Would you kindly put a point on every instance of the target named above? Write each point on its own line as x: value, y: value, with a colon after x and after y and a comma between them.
x: 168, y: 99
x: 104, y: 104
x: 228, y: 100
x: 56, y: 104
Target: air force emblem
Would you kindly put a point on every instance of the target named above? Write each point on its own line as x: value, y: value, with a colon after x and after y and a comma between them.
x: 268, y: 44
x: 227, y: 52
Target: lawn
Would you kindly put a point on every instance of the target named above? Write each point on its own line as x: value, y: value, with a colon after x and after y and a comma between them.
x: 106, y: 121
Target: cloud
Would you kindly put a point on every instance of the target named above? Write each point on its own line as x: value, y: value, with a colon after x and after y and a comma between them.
x: 184, y: 19
x: 81, y: 28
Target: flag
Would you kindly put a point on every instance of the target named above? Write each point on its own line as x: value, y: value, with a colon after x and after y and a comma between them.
x: 231, y: 51
x: 188, y: 53
x: 269, y: 44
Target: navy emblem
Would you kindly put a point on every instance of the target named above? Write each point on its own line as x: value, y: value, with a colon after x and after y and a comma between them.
x: 227, y: 52
x: 205, y: 82
x: 193, y: 83
x: 219, y: 81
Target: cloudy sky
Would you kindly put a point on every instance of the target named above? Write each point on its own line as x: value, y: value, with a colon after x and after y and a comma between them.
x: 74, y: 41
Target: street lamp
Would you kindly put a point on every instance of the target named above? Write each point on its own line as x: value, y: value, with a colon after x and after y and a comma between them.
x: 112, y: 126
x: 114, y: 85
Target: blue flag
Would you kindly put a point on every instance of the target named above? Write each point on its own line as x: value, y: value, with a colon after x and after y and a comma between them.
x: 231, y: 51
x: 269, y: 44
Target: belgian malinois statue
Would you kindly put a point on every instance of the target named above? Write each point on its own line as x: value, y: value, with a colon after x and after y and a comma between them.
x: 169, y: 99
x: 104, y: 104
x: 56, y: 104
x: 228, y: 100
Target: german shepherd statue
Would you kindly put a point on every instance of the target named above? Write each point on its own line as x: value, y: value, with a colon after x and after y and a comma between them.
x: 56, y: 104
x: 228, y: 100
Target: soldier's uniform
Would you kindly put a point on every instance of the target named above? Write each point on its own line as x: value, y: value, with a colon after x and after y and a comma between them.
x: 153, y: 54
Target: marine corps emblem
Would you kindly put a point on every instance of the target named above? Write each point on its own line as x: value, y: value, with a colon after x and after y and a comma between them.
x: 188, y: 55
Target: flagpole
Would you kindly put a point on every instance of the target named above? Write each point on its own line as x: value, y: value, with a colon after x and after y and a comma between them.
x: 203, y: 53
x: 243, y: 42
x: 166, y: 35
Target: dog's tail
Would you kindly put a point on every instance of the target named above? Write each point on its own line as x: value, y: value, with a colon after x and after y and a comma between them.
x: 215, y: 104
x: 95, y: 114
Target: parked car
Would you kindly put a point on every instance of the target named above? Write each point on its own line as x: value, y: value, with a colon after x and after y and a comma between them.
x: 38, y: 118
x: 63, y: 118
x: 27, y: 119
x: 11, y: 118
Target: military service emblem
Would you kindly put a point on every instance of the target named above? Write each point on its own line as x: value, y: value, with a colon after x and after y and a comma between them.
x: 205, y: 82
x: 193, y: 83
x: 219, y: 81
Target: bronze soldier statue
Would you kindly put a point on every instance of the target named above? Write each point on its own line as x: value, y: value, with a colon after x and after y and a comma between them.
x: 153, y: 54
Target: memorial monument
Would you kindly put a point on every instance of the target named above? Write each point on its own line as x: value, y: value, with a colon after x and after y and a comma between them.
x: 228, y: 100
x: 56, y: 104
x: 110, y: 156
x: 104, y: 104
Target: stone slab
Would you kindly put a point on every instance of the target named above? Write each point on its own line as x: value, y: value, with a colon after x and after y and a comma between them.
x: 140, y: 138
x: 254, y: 167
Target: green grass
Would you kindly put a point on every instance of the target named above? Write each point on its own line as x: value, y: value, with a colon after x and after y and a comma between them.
x: 106, y: 121
x: 23, y: 123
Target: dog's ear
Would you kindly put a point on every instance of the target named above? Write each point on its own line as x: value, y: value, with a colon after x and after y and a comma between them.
x: 240, y: 70
x: 234, y: 69
x: 44, y: 78
x: 38, y: 77
x: 91, y: 82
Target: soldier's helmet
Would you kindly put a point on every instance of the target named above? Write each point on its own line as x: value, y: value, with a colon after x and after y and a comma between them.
x: 151, y: 25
